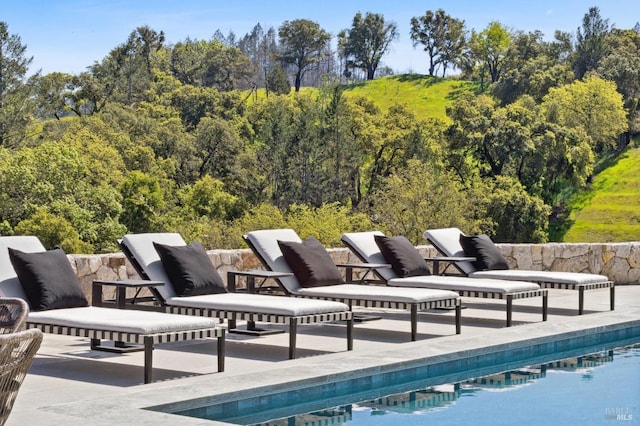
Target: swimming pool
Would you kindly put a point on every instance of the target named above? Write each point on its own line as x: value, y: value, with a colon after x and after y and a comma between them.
x: 583, y: 388
x: 599, y: 387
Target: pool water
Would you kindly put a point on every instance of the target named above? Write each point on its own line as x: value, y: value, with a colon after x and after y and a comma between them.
x: 589, y: 390
x: 592, y: 389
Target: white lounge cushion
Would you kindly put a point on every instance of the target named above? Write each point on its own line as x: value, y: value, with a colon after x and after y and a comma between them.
x: 464, y: 284
x: 265, y: 243
x: 275, y: 305
x: 378, y: 293
x: 364, y: 244
x: 120, y: 320
x: 447, y: 240
x: 142, y: 249
x: 542, y: 276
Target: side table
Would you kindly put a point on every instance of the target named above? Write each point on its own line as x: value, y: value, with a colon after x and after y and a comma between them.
x: 120, y: 302
x: 449, y: 260
x: 370, y: 267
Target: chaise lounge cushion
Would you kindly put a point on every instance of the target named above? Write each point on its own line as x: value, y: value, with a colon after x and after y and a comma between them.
x: 405, y: 260
x: 48, y: 279
x: 120, y: 320
x: 487, y: 255
x: 190, y: 269
x: 310, y: 263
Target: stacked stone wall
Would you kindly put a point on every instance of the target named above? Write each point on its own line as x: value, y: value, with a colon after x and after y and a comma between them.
x: 619, y: 261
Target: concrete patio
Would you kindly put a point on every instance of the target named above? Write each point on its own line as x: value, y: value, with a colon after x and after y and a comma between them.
x: 72, y: 385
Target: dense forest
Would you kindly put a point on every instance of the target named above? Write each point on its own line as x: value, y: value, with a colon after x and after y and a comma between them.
x: 214, y: 138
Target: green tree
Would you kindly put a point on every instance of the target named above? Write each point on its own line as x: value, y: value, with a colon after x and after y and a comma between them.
x: 488, y: 50
x: 193, y: 103
x: 592, y: 104
x: 442, y: 36
x: 277, y: 81
x: 494, y: 136
x: 16, y: 105
x: 187, y: 61
x: 419, y: 197
x: 517, y: 216
x: 88, y: 94
x: 207, y: 197
x: 226, y: 68
x: 53, y: 231
x: 622, y: 65
x: 54, y: 96
x: 591, y: 42
x: 148, y: 41
x: 516, y: 141
x: 143, y: 203
x: 262, y: 49
x: 366, y: 42
x: 73, y: 179
x: 302, y: 42
x: 217, y: 146
x: 532, y: 67
x: 327, y: 222
x: 351, y: 132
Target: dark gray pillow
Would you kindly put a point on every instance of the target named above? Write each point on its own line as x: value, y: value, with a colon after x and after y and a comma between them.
x: 404, y: 258
x: 487, y: 255
x: 190, y: 269
x: 48, y: 279
x: 310, y: 263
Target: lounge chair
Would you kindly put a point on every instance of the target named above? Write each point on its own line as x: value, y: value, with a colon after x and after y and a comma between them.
x: 132, y: 327
x: 13, y: 315
x: 141, y: 252
x: 265, y: 244
x: 447, y: 242
x: 364, y: 246
x: 17, y: 350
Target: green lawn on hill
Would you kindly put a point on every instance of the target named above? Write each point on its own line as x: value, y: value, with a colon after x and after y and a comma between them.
x: 427, y: 97
x: 610, y: 210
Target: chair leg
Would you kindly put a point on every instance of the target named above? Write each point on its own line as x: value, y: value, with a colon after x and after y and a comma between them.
x: 148, y: 359
x: 414, y: 322
x: 612, y: 296
x: 458, y: 318
x: 350, y: 334
x: 221, y: 352
x: 509, y: 309
x: 580, y: 300
x: 293, y: 330
x: 545, y: 305
x: 231, y: 323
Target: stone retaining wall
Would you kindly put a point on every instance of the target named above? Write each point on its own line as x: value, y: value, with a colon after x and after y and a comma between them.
x: 619, y: 261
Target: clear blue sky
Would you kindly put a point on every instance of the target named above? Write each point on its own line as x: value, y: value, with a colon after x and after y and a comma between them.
x: 70, y: 35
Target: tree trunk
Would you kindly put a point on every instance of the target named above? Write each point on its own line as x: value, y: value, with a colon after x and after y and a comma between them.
x: 298, y: 81
x: 370, y: 72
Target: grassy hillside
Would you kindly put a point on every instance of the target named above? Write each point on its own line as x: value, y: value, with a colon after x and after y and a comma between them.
x: 427, y: 96
x: 610, y: 210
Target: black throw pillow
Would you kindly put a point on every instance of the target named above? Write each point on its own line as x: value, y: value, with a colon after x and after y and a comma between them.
x: 404, y: 258
x: 48, y: 279
x: 487, y: 255
x: 310, y: 263
x: 190, y: 269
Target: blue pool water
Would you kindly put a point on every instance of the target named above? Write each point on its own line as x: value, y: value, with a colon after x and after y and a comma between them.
x: 597, y: 389
x: 589, y: 389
